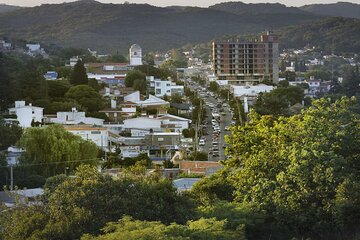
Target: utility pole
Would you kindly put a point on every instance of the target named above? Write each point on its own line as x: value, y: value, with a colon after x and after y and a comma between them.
x: 197, y: 128
x: 11, y: 178
x: 239, y: 110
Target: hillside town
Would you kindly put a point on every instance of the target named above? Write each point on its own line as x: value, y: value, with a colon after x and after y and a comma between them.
x: 155, y: 120
x: 231, y: 134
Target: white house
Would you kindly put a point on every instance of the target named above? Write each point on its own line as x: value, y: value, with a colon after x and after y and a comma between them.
x: 98, y: 135
x: 151, y: 103
x: 75, y: 117
x: 251, y: 91
x: 33, y: 47
x: 175, y: 123
x: 163, y: 88
x: 26, y: 114
x: 142, y: 123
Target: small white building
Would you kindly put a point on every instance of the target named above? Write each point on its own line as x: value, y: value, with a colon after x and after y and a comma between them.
x: 75, y: 117
x: 175, y: 123
x: 33, y: 47
x: 97, y: 135
x: 135, y: 53
x: 250, y: 91
x: 26, y: 114
x: 142, y: 123
x: 168, y: 88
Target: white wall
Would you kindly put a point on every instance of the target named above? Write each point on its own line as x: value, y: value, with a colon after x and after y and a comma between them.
x: 142, y: 123
x: 99, y: 137
x: 250, y: 90
x: 26, y: 114
x: 162, y: 88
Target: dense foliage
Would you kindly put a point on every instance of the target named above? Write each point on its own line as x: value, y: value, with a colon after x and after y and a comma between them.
x: 169, y: 28
x: 51, y: 149
x: 302, y: 170
x: 79, y: 76
x: 9, y: 134
x: 278, y: 101
x: 130, y: 229
x: 86, y: 202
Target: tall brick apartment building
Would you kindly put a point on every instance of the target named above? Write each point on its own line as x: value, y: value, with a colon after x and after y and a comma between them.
x: 244, y: 63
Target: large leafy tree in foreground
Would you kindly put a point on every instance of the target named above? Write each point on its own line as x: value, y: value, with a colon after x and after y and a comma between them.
x: 303, y: 170
x: 52, y: 149
x: 209, y: 229
x: 84, y: 203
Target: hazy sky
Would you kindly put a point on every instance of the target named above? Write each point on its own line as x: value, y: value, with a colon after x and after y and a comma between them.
x: 200, y: 3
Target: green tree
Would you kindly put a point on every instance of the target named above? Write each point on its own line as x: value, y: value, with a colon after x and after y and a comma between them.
x: 116, y: 58
x: 78, y: 75
x: 294, y: 167
x: 204, y: 228
x: 86, y: 96
x: 132, y: 76
x: 9, y: 134
x: 176, y: 98
x: 289, y: 75
x: 278, y: 101
x: 215, y: 186
x: 140, y: 85
x: 54, y: 149
x: 214, y: 87
x: 57, y: 89
x: 351, y: 81
x: 31, y: 83
x: 86, y: 202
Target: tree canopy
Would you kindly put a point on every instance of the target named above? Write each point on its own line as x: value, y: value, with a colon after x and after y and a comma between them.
x: 86, y: 96
x: 78, y: 75
x: 128, y: 228
x: 84, y: 203
x: 278, y: 101
x: 54, y: 149
x: 132, y: 76
x: 301, y: 169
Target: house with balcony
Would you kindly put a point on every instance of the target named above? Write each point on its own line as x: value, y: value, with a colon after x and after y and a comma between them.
x: 163, y: 145
x: 151, y: 104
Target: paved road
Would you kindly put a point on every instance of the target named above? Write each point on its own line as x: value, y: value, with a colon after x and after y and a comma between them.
x: 224, y: 121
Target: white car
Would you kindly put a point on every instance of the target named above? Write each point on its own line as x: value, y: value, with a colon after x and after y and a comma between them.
x: 202, y: 142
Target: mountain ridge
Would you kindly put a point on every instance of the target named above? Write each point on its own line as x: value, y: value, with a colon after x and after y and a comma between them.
x: 114, y: 27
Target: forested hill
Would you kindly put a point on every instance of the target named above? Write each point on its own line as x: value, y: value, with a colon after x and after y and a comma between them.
x: 256, y: 8
x: 331, y: 35
x: 113, y: 27
x: 340, y: 9
x: 8, y: 8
